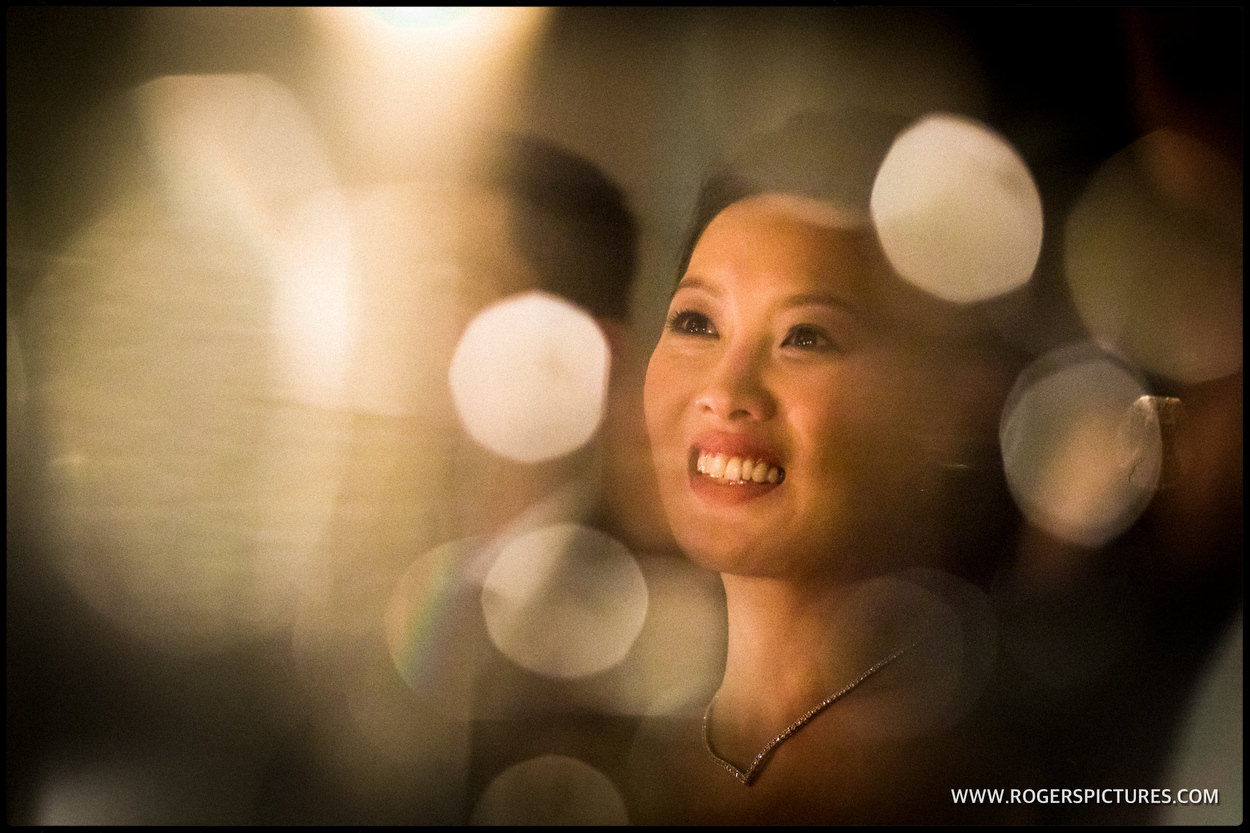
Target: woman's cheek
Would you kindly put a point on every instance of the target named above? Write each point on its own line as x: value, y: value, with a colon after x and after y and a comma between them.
x: 655, y: 390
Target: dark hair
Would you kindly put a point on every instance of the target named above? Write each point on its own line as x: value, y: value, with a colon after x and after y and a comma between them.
x: 573, y: 224
x: 824, y: 155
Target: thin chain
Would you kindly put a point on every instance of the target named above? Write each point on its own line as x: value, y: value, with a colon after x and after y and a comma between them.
x: 752, y: 771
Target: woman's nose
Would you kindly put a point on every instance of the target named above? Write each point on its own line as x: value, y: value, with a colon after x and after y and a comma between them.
x: 735, y: 387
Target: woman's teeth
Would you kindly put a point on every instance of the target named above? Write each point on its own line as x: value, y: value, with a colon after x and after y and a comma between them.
x: 737, y: 469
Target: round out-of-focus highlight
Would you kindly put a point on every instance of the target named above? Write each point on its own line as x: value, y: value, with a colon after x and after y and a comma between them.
x: 1153, y: 258
x: 529, y: 377
x: 564, y: 601
x: 551, y: 790
x: 425, y: 636
x: 957, y: 211
x: 1081, y: 460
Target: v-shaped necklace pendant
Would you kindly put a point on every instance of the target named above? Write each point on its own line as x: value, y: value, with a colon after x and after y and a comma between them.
x: 748, y: 776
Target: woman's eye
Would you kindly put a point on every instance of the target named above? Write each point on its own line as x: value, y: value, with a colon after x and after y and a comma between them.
x: 691, y: 323
x: 807, y: 337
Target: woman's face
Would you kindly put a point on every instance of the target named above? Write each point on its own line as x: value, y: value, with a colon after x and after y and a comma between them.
x: 795, y: 399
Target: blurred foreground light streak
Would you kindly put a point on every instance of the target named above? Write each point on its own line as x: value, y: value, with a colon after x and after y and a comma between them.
x: 1153, y: 253
x: 446, y: 21
x: 239, y: 153
x: 1211, y: 747
x: 406, y: 86
x: 1082, y: 458
x: 191, y: 346
x: 957, y: 210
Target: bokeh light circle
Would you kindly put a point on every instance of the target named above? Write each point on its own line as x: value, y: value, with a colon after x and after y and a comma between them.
x: 529, y: 377
x: 957, y: 211
x: 1156, y: 274
x: 428, y: 645
x: 564, y: 601
x: 1080, y: 459
x: 551, y: 789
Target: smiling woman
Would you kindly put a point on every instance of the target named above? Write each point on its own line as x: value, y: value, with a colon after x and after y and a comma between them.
x: 823, y: 433
x: 794, y: 351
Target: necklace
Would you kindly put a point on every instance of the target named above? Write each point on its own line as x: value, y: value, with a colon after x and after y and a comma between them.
x: 757, y: 763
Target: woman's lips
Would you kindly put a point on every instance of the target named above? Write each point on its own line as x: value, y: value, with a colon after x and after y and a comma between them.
x: 728, y: 470
x: 737, y: 468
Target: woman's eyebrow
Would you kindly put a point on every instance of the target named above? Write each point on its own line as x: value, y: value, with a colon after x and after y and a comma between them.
x: 695, y: 282
x: 821, y: 299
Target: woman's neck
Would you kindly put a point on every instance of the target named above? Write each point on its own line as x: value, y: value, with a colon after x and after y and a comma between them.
x: 793, y: 644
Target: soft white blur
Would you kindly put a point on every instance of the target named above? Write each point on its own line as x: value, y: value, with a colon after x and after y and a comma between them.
x: 1080, y: 458
x: 618, y: 631
x: 550, y: 789
x: 564, y: 601
x: 529, y: 377
x: 1153, y: 255
x: 957, y: 211
x: 405, y: 87
x: 189, y: 341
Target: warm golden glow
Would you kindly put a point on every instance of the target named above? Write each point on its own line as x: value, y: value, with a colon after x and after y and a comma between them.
x: 409, y: 86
